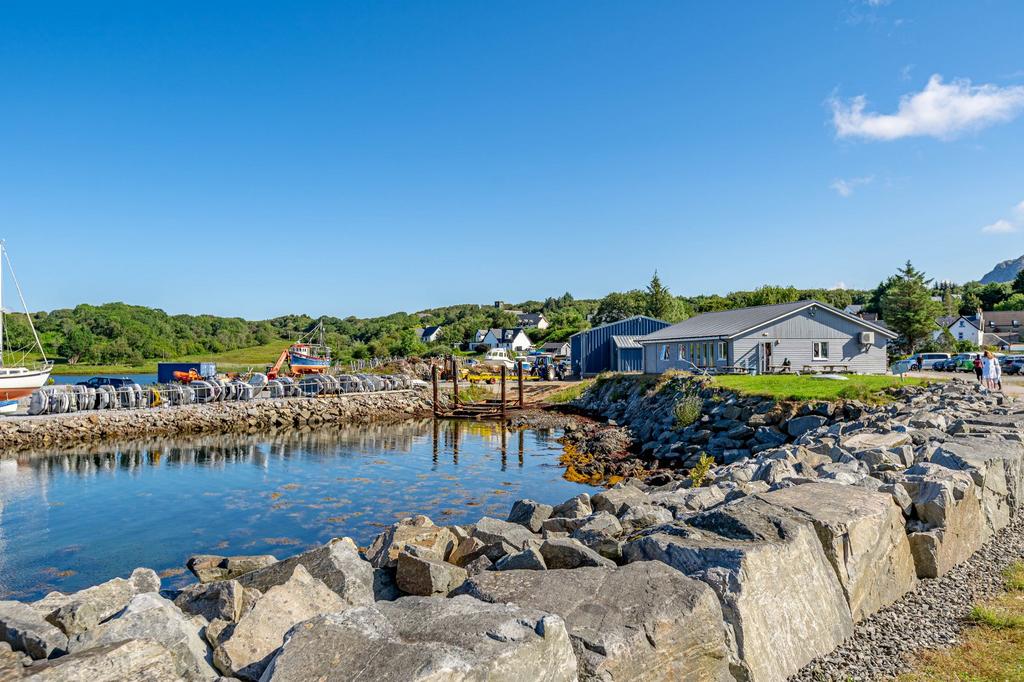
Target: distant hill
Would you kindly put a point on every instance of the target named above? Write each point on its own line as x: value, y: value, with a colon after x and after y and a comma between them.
x: 1005, y: 271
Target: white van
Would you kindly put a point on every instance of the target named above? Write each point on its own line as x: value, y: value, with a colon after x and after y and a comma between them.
x: 928, y: 360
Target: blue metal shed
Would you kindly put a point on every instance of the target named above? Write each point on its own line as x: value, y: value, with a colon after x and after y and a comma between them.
x: 592, y: 348
x: 627, y: 354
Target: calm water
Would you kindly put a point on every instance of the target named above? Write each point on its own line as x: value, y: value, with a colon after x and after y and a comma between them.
x: 72, y: 520
x: 141, y: 379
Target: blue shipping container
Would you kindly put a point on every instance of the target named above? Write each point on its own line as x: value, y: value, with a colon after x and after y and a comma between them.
x: 165, y: 370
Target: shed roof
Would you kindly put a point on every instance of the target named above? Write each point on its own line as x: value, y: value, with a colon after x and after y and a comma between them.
x: 627, y: 319
x: 626, y: 341
x: 730, y: 323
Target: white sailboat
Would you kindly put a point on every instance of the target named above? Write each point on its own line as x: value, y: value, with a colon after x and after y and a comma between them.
x: 18, y: 378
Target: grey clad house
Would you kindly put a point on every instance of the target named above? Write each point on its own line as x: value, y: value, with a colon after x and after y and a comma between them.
x: 801, y: 336
x: 592, y: 350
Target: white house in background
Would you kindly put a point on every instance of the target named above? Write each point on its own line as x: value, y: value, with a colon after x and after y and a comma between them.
x: 429, y: 334
x: 533, y: 320
x: 560, y: 349
x: 962, y: 328
x: 510, y: 339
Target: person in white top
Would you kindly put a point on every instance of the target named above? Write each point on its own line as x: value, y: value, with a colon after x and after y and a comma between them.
x: 991, y: 372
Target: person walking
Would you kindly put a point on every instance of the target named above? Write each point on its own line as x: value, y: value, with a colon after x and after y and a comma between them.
x: 991, y: 372
x: 920, y: 362
x: 977, y: 367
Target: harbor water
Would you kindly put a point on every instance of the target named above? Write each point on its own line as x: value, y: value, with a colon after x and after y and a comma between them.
x: 69, y: 520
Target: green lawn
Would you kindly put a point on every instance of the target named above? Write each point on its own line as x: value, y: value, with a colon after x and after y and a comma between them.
x: 232, y: 360
x: 789, y: 387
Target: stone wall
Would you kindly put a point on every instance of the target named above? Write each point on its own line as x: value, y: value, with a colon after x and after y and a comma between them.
x: 258, y: 416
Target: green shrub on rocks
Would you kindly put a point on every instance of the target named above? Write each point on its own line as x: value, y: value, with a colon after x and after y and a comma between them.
x: 688, y: 407
x: 699, y: 472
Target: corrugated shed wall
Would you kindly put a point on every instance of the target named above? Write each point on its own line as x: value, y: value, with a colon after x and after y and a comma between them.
x: 628, y: 359
x: 592, y: 349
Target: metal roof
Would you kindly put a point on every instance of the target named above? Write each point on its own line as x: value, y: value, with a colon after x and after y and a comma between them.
x: 625, y: 319
x: 625, y: 341
x: 730, y: 323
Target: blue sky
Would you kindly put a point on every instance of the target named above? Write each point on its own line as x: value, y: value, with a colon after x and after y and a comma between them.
x: 257, y: 158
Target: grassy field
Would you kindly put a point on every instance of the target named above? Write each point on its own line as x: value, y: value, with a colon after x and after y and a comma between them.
x: 791, y: 387
x: 992, y: 650
x: 569, y: 393
x: 233, y: 360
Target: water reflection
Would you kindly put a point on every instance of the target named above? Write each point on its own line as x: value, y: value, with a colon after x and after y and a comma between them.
x: 73, y: 518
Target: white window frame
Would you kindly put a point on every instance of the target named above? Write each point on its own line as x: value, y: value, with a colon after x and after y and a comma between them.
x: 816, y: 350
x: 681, y: 353
x: 666, y: 353
x: 722, y: 351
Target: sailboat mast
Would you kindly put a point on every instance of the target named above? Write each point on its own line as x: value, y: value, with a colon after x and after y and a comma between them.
x: 3, y: 248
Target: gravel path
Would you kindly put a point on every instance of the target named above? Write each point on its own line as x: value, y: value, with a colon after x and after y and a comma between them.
x: 930, y: 617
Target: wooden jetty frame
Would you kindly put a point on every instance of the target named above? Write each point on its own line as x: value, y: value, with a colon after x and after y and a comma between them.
x: 487, y: 409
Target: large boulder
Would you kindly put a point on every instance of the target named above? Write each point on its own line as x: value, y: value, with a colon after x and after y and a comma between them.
x: 416, y: 639
x: 150, y: 616
x: 618, y: 500
x: 864, y: 538
x: 88, y: 607
x: 246, y: 651
x: 210, y: 567
x: 434, y: 542
x: 426, y: 577
x: 778, y: 591
x: 997, y: 468
x: 568, y: 553
x: 950, y: 524
x: 26, y: 629
x: 223, y: 599
x: 644, y: 621
x: 133, y: 660
x: 870, y: 440
x: 491, y: 531
x: 529, y: 514
x: 336, y: 564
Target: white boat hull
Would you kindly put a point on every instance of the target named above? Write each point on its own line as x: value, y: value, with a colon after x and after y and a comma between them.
x: 19, y: 382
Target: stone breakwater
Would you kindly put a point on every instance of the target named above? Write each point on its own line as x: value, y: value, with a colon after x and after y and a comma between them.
x: 258, y: 416
x: 783, y: 557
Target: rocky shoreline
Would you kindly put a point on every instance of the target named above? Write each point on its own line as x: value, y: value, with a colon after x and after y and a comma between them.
x: 258, y: 416
x: 811, y: 557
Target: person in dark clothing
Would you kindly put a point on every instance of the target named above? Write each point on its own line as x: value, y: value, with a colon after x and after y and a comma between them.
x: 977, y: 367
x: 920, y: 362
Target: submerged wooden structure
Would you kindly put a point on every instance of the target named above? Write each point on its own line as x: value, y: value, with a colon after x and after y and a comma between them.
x: 494, y: 408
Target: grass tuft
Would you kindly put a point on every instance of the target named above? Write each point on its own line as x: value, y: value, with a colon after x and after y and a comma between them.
x: 805, y: 387
x: 569, y: 393
x: 996, y: 619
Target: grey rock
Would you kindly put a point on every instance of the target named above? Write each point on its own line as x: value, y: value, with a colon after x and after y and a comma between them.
x: 574, y: 508
x: 420, y: 531
x: 798, y: 426
x: 644, y: 516
x: 779, y: 594
x: 26, y: 629
x: 530, y: 514
x: 149, y: 616
x: 421, y: 639
x: 336, y: 564
x: 426, y: 577
x: 251, y: 644
x: 491, y: 531
x: 210, y: 567
x: 530, y: 559
x: 86, y: 608
x: 618, y: 500
x: 571, y: 554
x: 863, y: 535
x: 223, y: 599
x: 643, y: 621
x: 134, y: 660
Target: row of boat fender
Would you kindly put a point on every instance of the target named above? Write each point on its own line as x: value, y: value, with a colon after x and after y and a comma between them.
x: 258, y: 381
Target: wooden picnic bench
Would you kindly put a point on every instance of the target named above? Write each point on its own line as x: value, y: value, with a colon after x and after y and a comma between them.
x: 831, y: 369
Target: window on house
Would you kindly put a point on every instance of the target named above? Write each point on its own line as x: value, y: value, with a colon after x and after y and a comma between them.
x: 961, y: 323
x: 665, y: 352
x: 682, y: 351
x: 721, y: 350
x: 960, y: 336
x: 819, y: 350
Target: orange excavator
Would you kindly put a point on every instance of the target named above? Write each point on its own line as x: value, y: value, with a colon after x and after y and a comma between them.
x: 187, y: 377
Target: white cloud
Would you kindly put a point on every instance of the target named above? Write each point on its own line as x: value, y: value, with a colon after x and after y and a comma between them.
x: 906, y: 71
x: 1019, y: 211
x: 941, y: 110
x: 878, y: 3
x: 838, y: 285
x: 844, y: 188
x: 1000, y: 226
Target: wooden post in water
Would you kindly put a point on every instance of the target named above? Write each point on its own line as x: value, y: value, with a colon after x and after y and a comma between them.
x: 520, y: 377
x: 433, y: 379
x: 504, y: 371
x: 455, y: 383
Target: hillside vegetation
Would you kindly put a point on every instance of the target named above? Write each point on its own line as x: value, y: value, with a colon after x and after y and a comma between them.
x: 121, y: 336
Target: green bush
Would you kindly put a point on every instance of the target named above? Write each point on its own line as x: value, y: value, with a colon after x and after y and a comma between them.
x: 688, y: 407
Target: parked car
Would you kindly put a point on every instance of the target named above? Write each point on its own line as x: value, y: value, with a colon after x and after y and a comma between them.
x: 116, y: 382
x: 1012, y: 364
x: 901, y: 366
x: 928, y: 360
x: 961, y: 362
